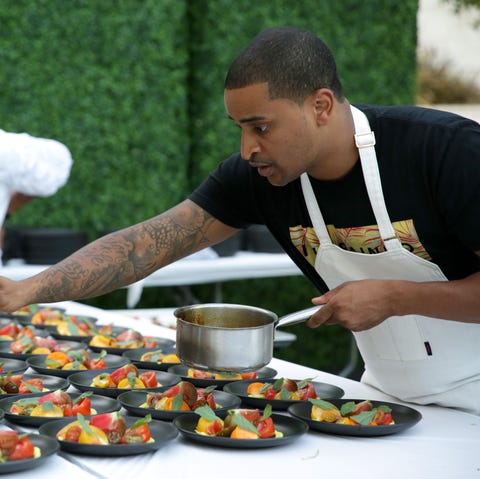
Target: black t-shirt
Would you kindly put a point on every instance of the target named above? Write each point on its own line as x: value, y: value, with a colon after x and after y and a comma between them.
x: 429, y: 164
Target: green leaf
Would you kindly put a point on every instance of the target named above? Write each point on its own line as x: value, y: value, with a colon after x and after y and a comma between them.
x: 284, y: 394
x: 48, y: 406
x: 322, y: 404
x: 243, y: 423
x: 347, y: 408
x: 207, y: 413
x: 365, y: 417
x: 304, y: 382
x: 277, y: 384
x: 177, y: 402
x: 267, y: 412
x: 82, y: 396
x: 141, y: 422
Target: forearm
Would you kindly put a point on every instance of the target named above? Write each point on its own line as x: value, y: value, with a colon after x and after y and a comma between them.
x: 453, y: 300
x: 17, y: 201
x: 121, y: 258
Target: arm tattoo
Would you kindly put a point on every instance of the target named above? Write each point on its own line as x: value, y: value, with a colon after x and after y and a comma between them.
x: 126, y: 256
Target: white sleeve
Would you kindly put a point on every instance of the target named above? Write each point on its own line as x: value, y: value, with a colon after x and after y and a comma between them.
x: 33, y: 166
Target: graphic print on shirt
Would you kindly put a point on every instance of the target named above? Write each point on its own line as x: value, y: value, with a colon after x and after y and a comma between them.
x: 362, y: 239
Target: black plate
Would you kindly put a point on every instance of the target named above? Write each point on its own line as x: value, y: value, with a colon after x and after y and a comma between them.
x: 162, y: 432
x: 162, y: 344
x: 134, y: 356
x: 131, y: 401
x: 239, y: 388
x: 182, y: 371
x: 81, y: 381
x: 14, y: 366
x: 48, y: 446
x: 49, y: 382
x: 101, y: 404
x: 6, y: 353
x: 37, y: 362
x: 404, y: 417
x: 291, y: 428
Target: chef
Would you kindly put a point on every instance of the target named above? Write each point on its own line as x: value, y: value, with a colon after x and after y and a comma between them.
x: 378, y: 206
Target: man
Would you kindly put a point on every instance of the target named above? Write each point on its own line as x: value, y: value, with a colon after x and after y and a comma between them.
x: 30, y: 167
x: 393, y: 234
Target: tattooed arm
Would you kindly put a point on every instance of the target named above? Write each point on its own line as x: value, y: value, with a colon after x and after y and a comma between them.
x: 119, y: 259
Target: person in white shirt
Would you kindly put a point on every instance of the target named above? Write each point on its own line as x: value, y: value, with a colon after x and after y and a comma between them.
x: 30, y: 167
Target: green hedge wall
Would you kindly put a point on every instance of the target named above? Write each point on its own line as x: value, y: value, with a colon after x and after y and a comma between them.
x: 135, y: 90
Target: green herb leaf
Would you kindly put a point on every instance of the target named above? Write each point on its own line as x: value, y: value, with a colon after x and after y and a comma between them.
x: 207, y: 413
x: 323, y: 404
x: 177, y: 402
x: 243, y: 423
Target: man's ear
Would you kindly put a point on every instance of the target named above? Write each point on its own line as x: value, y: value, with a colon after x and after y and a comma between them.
x: 323, y: 101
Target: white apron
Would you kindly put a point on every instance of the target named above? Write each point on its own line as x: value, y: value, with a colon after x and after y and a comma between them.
x: 414, y: 358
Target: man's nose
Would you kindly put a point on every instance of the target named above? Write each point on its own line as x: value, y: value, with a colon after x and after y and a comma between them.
x: 249, y: 146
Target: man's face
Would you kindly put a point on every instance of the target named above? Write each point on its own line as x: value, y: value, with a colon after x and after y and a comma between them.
x: 278, y: 136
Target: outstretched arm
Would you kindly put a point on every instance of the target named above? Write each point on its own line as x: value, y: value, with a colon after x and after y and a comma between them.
x: 119, y: 259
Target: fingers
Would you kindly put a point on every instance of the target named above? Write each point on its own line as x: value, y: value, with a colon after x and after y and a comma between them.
x: 322, y: 316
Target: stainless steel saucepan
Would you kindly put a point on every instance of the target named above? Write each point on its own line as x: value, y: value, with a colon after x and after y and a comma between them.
x: 229, y: 337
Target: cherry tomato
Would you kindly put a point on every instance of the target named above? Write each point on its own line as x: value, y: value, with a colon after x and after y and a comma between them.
x: 73, y: 433
x: 8, y: 439
x: 122, y: 373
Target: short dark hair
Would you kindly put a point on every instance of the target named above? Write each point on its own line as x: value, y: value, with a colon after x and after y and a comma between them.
x: 293, y: 62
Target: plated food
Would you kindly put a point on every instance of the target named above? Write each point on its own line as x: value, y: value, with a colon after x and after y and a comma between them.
x: 182, y: 398
x: 128, y: 339
x: 355, y: 417
x: 27, y: 346
x: 240, y: 428
x: 146, y: 358
x: 11, y: 330
x: 124, y: 378
x: 24, y: 451
x: 41, y: 313
x: 281, y: 392
x: 207, y: 378
x: 63, y: 364
x: 109, y: 434
x: 76, y: 327
x: 23, y: 384
x: 37, y: 410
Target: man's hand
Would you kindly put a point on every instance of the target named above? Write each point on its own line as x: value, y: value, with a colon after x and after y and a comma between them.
x: 10, y: 295
x: 355, y: 305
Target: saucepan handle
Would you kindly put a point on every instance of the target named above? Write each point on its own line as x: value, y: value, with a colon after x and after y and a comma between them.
x: 297, y: 317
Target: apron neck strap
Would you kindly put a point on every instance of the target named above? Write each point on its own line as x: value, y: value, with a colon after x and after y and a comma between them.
x: 365, y: 142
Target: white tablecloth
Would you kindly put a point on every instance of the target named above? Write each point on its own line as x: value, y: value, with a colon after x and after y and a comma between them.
x: 445, y: 444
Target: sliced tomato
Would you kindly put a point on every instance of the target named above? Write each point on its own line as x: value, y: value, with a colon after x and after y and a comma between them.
x: 97, y: 364
x: 149, y: 378
x: 122, y: 373
x: 73, y: 433
x: 266, y: 428
x: 8, y: 439
x: 136, y: 435
x: 82, y: 407
x: 307, y: 392
x: 250, y: 375
x: 22, y: 450
x: 31, y: 385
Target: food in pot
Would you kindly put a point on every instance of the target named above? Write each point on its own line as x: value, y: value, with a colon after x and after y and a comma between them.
x: 361, y: 413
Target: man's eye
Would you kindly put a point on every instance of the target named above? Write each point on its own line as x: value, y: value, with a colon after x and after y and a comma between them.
x: 261, y: 128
